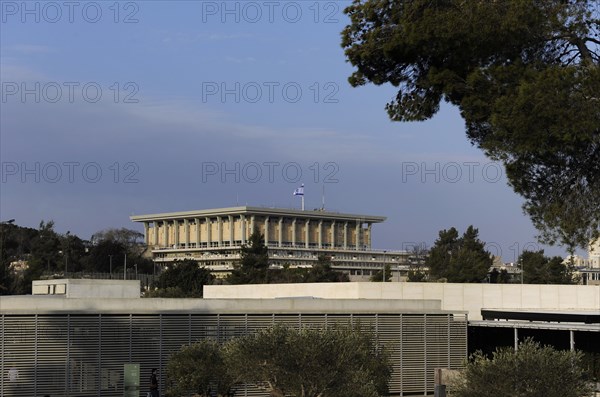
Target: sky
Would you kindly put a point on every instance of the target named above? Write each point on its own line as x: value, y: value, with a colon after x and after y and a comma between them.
x: 118, y: 108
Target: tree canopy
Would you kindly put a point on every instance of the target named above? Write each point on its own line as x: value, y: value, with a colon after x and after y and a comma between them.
x: 525, y: 76
x: 531, y: 371
x: 378, y: 276
x: 313, y: 362
x: 254, y: 262
x: 340, y: 361
x: 183, y: 279
x: 540, y: 269
x: 459, y: 260
x: 200, y: 368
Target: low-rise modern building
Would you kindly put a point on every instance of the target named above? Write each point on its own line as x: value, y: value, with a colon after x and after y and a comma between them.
x: 296, y: 238
x: 78, y: 338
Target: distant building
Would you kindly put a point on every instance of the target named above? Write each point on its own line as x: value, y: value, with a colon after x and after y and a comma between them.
x: 594, y: 254
x: 296, y: 238
x: 588, y: 269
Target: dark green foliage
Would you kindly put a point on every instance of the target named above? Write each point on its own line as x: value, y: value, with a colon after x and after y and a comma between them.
x: 183, y: 279
x: 308, y: 362
x: 311, y: 362
x: 254, y: 262
x: 459, y: 260
x: 118, y: 243
x: 200, y: 368
x: 123, y: 236
x: 378, y: 275
x: 322, y: 272
x: 15, y: 244
x: 531, y: 371
x: 103, y: 253
x: 525, y: 76
x: 50, y: 254
x: 499, y: 277
x: 416, y: 275
x: 539, y: 269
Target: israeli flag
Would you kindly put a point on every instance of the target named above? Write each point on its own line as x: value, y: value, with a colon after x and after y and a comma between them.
x: 299, y: 191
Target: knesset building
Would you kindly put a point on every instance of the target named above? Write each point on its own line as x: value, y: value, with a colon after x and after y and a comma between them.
x: 296, y: 238
x: 74, y: 338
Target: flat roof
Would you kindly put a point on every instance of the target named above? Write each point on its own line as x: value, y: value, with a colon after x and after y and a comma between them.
x: 48, y: 305
x: 558, y: 316
x: 536, y: 325
x: 266, y: 211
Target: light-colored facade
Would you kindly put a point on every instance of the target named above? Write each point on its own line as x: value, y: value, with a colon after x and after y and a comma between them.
x: 64, y: 343
x: 297, y: 238
x: 594, y: 254
x: 453, y: 296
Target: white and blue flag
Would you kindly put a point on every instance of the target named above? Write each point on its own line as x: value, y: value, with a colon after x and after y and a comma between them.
x: 299, y: 191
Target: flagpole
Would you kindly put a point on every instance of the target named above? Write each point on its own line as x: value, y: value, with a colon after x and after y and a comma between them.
x: 302, y: 202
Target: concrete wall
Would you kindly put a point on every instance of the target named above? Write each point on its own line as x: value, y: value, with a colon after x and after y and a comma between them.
x: 83, y: 288
x: 469, y: 297
x: 39, y: 304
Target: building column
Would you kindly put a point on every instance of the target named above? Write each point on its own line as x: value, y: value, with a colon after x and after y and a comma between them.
x: 220, y: 230
x: 230, y: 230
x: 176, y: 233
x: 155, y: 227
x: 197, y: 232
x: 146, y: 231
x: 368, y: 242
x: 186, y: 231
x: 267, y: 231
x: 243, y: 226
x: 572, y: 340
x: 280, y: 239
x: 208, y: 232
x: 332, y: 239
x: 345, y: 235
x: 320, y: 234
x: 294, y: 232
x: 252, y: 224
x: 358, y: 225
x: 516, y: 331
x: 166, y: 233
x: 307, y: 233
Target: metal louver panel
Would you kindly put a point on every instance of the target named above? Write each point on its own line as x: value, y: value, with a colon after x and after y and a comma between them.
x: 76, y: 355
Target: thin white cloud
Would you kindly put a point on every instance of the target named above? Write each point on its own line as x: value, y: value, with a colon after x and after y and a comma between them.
x: 240, y: 60
x: 12, y: 70
x: 30, y: 49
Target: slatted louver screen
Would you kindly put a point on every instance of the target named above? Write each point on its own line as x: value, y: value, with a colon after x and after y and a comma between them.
x: 366, y: 322
x: 288, y: 320
x: 19, y: 356
x: 313, y: 320
x: 204, y: 326
x: 115, y: 352
x: 437, y: 341
x: 52, y: 333
x: 413, y: 348
x: 458, y: 340
x: 388, y: 333
x: 259, y: 322
x: 339, y: 320
x: 175, y: 334
x: 145, y: 348
x: 84, y: 352
x: 231, y: 326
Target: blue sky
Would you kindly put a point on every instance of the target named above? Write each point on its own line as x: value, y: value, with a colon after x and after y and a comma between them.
x: 211, y: 104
